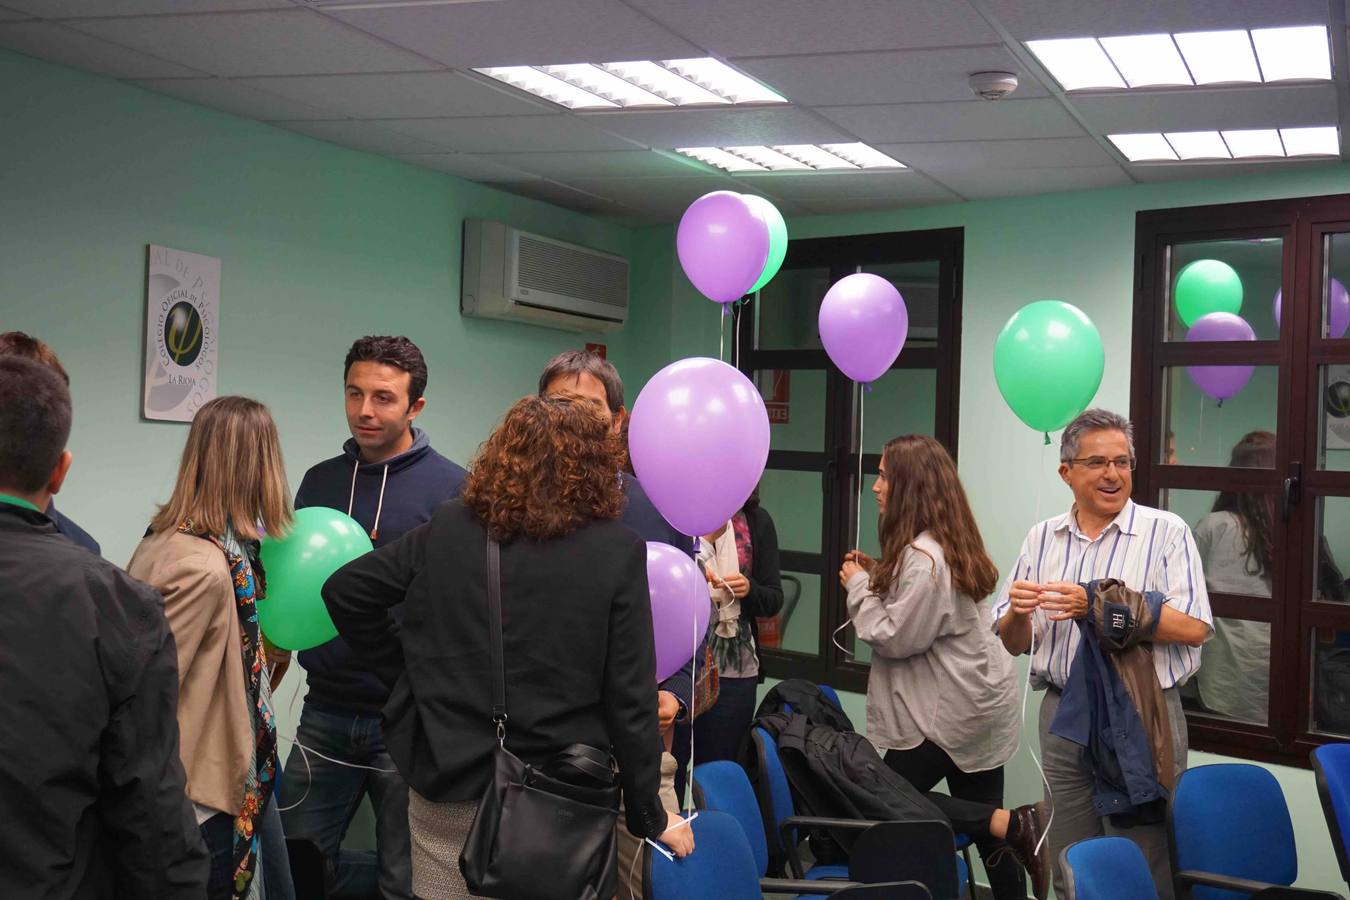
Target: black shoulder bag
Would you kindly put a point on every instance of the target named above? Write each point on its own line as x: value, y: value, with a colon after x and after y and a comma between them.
x: 541, y: 832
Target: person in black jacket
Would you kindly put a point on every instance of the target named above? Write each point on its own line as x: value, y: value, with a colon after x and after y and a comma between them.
x: 580, y: 661
x: 91, y: 788
x: 741, y: 564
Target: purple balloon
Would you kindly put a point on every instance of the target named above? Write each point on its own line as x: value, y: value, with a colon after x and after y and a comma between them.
x: 722, y: 245
x: 1338, y: 309
x: 699, y: 439
x: 1220, y: 382
x: 681, y: 606
x: 863, y: 323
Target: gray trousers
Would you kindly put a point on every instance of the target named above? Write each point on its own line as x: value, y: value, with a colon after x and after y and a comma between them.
x: 1070, y: 795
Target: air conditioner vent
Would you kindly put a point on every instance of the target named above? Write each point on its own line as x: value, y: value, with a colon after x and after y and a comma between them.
x: 557, y: 268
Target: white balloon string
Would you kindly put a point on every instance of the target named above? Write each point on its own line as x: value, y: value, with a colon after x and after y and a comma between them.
x: 857, y: 525
x: 1026, y: 687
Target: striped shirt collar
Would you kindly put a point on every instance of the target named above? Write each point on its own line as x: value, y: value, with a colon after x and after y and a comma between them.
x: 1123, y: 522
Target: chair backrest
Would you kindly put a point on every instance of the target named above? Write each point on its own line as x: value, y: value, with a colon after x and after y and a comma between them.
x: 918, y: 850
x: 1331, y: 763
x: 1107, y: 868
x: 1232, y: 819
x: 830, y: 694
x: 773, y: 784
x: 724, y: 787
x: 721, y: 865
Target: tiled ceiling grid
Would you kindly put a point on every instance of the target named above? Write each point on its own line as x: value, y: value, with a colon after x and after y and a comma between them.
x: 393, y: 77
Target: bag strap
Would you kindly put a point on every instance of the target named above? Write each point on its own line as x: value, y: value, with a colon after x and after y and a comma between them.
x: 494, y: 592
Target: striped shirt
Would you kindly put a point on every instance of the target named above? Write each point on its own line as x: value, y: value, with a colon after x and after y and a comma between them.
x: 1146, y: 549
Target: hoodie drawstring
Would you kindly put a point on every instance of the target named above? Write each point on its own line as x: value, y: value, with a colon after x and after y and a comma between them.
x: 379, y: 506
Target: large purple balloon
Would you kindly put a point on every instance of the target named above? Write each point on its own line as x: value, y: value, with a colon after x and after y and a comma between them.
x: 863, y: 323
x: 1220, y: 382
x: 722, y: 245
x: 1338, y: 309
x: 681, y: 606
x: 699, y: 439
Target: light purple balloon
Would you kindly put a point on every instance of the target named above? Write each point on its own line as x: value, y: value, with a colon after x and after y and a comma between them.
x: 681, y: 606
x: 722, y: 245
x: 863, y: 323
x: 1338, y: 309
x: 1220, y: 382
x: 699, y: 439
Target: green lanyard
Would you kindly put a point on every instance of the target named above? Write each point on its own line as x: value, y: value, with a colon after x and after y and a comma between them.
x: 16, y: 501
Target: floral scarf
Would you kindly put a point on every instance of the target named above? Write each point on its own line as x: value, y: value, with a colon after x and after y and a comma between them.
x: 261, y: 775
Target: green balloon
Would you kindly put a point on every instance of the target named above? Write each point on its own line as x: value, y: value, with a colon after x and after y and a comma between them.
x: 1206, y: 286
x: 1048, y: 362
x: 297, y: 564
x: 778, y: 237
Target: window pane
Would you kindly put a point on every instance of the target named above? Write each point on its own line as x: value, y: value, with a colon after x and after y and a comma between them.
x: 1334, y: 434
x: 1233, y: 681
x: 917, y: 282
x: 1200, y: 431
x: 794, y: 501
x: 801, y: 613
x: 1238, y: 276
x: 787, y: 308
x: 1331, y: 681
x: 1333, y: 549
x: 796, y: 402
x: 1334, y: 314
x: 1234, y: 532
x: 903, y: 401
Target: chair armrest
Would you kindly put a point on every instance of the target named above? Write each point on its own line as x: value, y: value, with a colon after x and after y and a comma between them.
x: 1293, y: 893
x: 802, y: 886
x: 791, y: 823
x: 1227, y: 882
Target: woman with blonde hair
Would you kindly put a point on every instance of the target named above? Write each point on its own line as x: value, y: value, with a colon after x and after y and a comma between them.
x: 201, y: 554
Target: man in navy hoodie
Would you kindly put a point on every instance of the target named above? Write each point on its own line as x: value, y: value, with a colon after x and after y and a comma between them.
x: 390, y: 481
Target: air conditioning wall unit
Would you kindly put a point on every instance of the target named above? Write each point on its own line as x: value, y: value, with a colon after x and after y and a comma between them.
x: 512, y: 274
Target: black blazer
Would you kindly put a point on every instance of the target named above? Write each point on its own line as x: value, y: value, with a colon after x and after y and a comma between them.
x: 765, y: 598
x: 579, y: 656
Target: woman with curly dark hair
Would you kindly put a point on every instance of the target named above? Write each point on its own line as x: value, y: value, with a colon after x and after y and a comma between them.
x: 579, y: 659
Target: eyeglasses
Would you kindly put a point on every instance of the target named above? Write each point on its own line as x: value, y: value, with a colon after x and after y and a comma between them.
x: 1099, y: 463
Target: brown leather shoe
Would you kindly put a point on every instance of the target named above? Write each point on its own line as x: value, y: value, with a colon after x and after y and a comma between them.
x: 1031, y: 822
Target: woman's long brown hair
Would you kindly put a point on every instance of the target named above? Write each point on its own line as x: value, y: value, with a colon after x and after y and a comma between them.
x: 1255, y: 510
x: 926, y: 495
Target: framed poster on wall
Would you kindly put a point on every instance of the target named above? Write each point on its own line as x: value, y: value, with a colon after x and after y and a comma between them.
x: 182, y: 333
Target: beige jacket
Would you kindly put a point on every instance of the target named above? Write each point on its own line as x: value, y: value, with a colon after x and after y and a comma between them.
x: 215, y: 728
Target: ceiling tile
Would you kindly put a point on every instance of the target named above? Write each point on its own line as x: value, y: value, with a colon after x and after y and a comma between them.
x: 1190, y: 171
x: 926, y: 122
x: 907, y: 76
x: 508, y: 134
x: 406, y: 95
x: 671, y: 128
x: 767, y: 27
x: 600, y: 163
x: 1014, y: 154
x: 58, y: 44
x: 474, y: 168
x: 232, y: 97
x: 369, y: 136
x: 561, y: 195
x: 8, y: 14
x: 825, y: 185
x: 1028, y: 19
x: 1263, y: 106
x: 662, y: 197
x: 298, y: 42
x: 984, y: 183
x: 823, y: 206
x: 523, y: 32
x: 94, y: 9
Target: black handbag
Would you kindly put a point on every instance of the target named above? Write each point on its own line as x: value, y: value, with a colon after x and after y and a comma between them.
x: 541, y: 832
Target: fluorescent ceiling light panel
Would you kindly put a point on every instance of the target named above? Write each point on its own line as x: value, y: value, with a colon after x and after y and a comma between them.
x: 1142, y: 147
x: 1324, y: 141
x: 864, y: 156
x: 715, y: 156
x: 768, y: 158
x: 1216, y: 57
x: 793, y: 157
x: 1147, y: 59
x: 815, y: 157
x: 1077, y: 63
x: 1198, y: 144
x: 675, y: 82
x: 1248, y: 143
x: 1293, y: 53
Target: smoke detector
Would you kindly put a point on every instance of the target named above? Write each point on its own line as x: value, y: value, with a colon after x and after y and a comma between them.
x: 993, y: 85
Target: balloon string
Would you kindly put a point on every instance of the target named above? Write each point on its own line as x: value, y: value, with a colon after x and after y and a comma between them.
x: 857, y: 525
x: 722, y: 335
x: 1200, y: 429
x: 687, y: 800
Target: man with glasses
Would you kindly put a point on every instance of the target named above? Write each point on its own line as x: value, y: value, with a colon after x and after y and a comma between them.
x: 1103, y: 535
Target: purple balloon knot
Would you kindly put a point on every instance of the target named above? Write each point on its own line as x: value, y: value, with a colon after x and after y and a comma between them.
x: 867, y: 387
x: 726, y: 309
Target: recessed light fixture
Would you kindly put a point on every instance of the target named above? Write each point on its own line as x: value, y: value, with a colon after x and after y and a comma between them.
x: 1188, y: 58
x: 1251, y: 143
x: 793, y: 157
x: 641, y: 83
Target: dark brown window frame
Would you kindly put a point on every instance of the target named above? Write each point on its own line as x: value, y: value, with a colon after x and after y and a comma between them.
x: 837, y: 462
x: 1299, y: 352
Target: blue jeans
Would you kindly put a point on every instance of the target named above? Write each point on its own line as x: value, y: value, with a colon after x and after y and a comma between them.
x: 218, y: 835
x: 273, y: 861
x: 719, y: 731
x: 331, y: 794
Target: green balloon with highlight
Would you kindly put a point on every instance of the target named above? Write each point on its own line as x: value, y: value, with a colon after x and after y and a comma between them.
x: 778, y: 237
x: 1048, y: 363
x: 1206, y: 286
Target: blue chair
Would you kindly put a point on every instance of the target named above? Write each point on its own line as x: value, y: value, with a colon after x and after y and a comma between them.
x: 1107, y: 868
x: 1331, y: 764
x: 1231, y: 835
x: 928, y: 845
x: 722, y: 867
x: 830, y: 694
